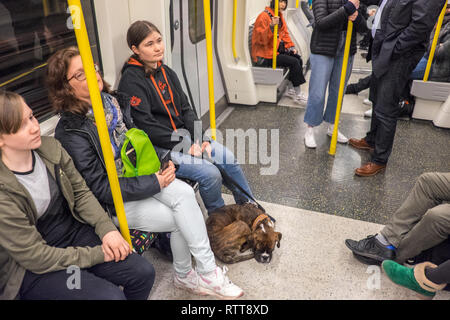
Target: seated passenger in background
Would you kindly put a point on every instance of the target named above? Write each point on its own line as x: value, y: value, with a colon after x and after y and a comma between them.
x: 51, y: 221
x: 440, y: 69
x: 422, y: 222
x: 153, y: 203
x: 162, y: 110
x: 287, y: 56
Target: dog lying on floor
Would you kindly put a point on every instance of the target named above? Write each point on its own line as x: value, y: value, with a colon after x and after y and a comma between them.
x: 242, y: 232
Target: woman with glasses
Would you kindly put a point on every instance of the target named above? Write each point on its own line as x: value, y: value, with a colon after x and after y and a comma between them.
x: 154, y: 203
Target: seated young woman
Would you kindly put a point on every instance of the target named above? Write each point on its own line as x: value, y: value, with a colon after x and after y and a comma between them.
x: 154, y: 203
x: 56, y: 241
x: 162, y: 110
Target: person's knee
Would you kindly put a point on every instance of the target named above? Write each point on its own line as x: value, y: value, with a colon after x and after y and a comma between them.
x: 426, y: 177
x: 146, y: 271
x: 438, y: 217
x: 211, y: 176
x: 142, y: 273
x: 185, y: 191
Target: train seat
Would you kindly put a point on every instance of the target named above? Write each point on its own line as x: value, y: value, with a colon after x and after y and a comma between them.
x: 432, y: 102
x: 270, y: 82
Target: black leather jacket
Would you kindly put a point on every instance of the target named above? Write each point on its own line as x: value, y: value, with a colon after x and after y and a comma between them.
x: 330, y: 19
x: 78, y: 135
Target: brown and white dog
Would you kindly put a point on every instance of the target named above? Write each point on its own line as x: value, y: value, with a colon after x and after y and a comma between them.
x: 241, y: 232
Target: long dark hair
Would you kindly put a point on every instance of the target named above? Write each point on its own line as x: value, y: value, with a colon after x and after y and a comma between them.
x: 137, y: 33
x: 272, y: 3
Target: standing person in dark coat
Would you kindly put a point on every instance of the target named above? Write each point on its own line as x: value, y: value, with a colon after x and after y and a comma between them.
x: 400, y: 31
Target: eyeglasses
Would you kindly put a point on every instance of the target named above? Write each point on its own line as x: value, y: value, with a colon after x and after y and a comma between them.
x: 81, y: 76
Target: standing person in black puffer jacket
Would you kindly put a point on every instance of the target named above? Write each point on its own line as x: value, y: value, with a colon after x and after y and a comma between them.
x: 327, y: 53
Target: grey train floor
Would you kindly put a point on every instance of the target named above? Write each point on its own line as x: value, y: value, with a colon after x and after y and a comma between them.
x: 311, y: 179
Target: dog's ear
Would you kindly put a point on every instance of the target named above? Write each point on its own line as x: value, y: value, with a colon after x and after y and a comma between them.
x: 279, y: 239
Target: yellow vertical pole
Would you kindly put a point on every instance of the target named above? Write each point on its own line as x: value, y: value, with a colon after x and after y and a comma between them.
x: 296, y: 3
x: 97, y: 106
x: 233, y: 40
x: 46, y: 7
x: 275, y: 39
x: 209, y: 56
x: 434, y: 43
x: 332, y: 150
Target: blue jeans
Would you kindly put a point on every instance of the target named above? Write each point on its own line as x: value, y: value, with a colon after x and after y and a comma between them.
x: 208, y: 175
x: 419, y: 70
x: 325, y: 71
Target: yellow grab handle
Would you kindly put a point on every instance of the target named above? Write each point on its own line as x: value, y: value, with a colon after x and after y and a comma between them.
x: 97, y: 106
x: 209, y: 56
x: 332, y: 150
x: 233, y: 40
x: 434, y: 43
x: 275, y: 39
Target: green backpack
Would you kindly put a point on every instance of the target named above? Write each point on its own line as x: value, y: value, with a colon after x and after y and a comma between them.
x: 138, y: 154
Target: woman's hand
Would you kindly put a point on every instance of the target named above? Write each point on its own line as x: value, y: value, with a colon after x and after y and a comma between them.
x: 207, y: 146
x: 353, y: 16
x: 355, y: 3
x: 195, y: 150
x: 274, y: 21
x: 167, y: 176
x: 115, y: 247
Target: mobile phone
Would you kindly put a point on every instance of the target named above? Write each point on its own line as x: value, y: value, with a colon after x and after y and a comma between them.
x: 131, y: 153
x: 165, y: 160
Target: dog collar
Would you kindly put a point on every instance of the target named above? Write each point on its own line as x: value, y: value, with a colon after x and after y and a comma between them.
x: 258, y: 219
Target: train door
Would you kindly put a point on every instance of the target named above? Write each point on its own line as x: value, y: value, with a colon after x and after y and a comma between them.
x: 189, y: 52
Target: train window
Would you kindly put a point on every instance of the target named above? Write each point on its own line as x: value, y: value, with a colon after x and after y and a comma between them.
x: 30, y: 32
x: 197, y: 20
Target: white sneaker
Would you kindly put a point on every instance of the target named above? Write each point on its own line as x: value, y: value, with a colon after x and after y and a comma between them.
x: 340, y: 138
x: 367, y: 102
x: 368, y: 113
x: 189, y: 283
x: 217, y: 283
x: 291, y: 93
x: 310, y: 141
x: 301, y: 98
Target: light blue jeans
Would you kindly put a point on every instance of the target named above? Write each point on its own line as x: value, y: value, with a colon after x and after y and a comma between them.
x: 175, y: 209
x: 209, y: 177
x: 325, y: 71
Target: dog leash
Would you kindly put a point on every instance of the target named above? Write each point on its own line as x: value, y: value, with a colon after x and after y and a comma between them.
x: 233, y: 182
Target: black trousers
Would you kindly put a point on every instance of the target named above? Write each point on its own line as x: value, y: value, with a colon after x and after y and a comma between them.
x: 99, y: 282
x: 385, y: 93
x: 293, y: 63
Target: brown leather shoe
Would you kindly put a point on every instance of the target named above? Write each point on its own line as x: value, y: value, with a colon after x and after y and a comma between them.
x: 360, y: 144
x: 369, y: 169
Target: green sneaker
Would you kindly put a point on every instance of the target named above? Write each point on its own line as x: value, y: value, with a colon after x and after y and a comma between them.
x: 412, y: 278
